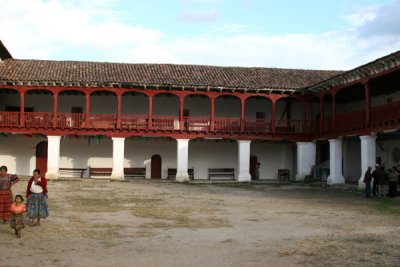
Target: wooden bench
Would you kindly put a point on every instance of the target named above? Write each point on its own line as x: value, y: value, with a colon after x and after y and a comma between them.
x: 128, y: 172
x: 99, y: 171
x: 135, y: 172
x: 80, y: 171
x: 221, y: 172
x: 171, y: 173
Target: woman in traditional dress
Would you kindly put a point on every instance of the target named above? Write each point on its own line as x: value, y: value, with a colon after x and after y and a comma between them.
x: 36, y: 193
x: 6, y: 198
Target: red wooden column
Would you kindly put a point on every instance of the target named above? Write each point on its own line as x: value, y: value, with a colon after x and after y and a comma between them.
x: 55, y: 109
x: 87, y: 115
x: 333, y: 111
x: 22, y: 110
x: 242, y: 101
x: 367, y: 93
x: 312, y: 116
x: 212, y: 115
x: 150, y: 113
x: 304, y: 115
x: 321, y: 113
x: 119, y: 107
x: 181, y: 109
x: 273, y: 115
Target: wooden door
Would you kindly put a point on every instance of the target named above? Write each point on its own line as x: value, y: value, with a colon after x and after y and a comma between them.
x: 41, y: 157
x: 156, y: 167
x: 253, y: 162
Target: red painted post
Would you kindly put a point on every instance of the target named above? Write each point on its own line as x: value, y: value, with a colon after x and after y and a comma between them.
x: 22, y: 110
x: 367, y: 94
x: 321, y: 114
x: 119, y: 98
x: 312, y: 116
x: 304, y: 116
x: 55, y: 109
x: 181, y: 109
x: 242, y: 115
x: 273, y: 115
x: 333, y: 111
x: 150, y: 116
x: 212, y: 116
x: 87, y: 115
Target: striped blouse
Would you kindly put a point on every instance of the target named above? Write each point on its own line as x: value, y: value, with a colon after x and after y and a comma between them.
x: 5, y: 181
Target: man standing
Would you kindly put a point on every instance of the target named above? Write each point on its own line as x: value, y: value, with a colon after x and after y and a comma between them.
x: 367, y: 181
x: 375, y: 183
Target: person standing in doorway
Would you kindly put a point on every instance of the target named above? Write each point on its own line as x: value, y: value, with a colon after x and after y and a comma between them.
x: 6, y: 198
x: 367, y: 181
x: 257, y: 171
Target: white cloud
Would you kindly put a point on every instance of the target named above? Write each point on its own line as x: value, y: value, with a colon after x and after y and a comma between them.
x: 89, y: 30
x: 198, y: 16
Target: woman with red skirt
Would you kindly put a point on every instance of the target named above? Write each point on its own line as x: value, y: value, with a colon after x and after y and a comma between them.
x: 6, y: 198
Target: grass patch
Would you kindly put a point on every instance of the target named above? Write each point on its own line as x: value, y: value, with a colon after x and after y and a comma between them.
x: 390, y: 206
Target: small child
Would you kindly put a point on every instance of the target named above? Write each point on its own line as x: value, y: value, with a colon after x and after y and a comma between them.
x: 18, y: 208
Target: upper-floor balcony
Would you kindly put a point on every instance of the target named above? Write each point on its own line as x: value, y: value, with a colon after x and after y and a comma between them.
x: 347, y: 122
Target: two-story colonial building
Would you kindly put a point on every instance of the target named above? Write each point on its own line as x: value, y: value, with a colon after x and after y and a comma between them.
x: 75, y: 114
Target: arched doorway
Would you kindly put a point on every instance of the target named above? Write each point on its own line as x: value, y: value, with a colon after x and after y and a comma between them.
x: 156, y: 166
x: 41, y: 157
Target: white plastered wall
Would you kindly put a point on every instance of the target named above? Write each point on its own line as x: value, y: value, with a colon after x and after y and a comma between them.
x: 18, y: 153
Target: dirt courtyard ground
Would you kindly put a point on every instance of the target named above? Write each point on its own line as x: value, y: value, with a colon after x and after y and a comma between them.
x: 150, y: 223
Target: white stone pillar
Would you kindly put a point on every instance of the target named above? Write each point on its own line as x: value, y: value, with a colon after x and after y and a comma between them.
x: 335, y: 162
x: 182, y: 160
x: 306, y: 154
x: 118, y: 158
x: 368, y: 156
x: 244, y: 161
x: 53, y: 157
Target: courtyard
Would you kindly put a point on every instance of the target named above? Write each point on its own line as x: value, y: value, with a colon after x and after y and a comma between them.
x: 158, y: 223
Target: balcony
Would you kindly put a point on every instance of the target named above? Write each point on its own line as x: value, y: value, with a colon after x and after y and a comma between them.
x: 344, y: 123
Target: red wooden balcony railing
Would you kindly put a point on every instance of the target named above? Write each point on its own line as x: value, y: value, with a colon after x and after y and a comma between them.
x: 344, y: 122
x: 71, y: 120
x: 9, y: 119
x: 134, y: 122
x: 103, y: 121
x: 38, y: 119
x: 165, y: 123
x: 293, y: 127
x: 257, y: 126
x: 197, y: 123
x: 386, y: 114
x: 348, y: 121
x: 227, y: 125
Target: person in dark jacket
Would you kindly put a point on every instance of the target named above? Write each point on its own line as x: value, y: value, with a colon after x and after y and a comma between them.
x: 367, y: 181
x: 375, y: 183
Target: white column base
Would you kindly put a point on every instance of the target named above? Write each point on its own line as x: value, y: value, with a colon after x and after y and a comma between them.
x: 118, y: 158
x: 182, y: 176
x: 53, y: 157
x: 368, y: 156
x: 182, y: 160
x: 306, y: 152
x: 244, y: 161
x: 244, y: 177
x: 335, y: 162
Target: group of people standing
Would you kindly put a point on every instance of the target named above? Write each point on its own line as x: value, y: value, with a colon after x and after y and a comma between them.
x: 36, y: 207
x: 384, y: 182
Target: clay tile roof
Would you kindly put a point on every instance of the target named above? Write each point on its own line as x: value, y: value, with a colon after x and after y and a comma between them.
x: 82, y: 73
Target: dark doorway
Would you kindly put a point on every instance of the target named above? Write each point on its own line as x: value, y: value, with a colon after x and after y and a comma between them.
x: 156, y: 167
x: 253, y: 162
x: 41, y: 157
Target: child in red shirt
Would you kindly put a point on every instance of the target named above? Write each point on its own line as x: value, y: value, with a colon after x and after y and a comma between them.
x: 18, y: 208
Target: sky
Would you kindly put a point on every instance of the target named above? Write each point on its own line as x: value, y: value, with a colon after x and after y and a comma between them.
x: 306, y: 34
